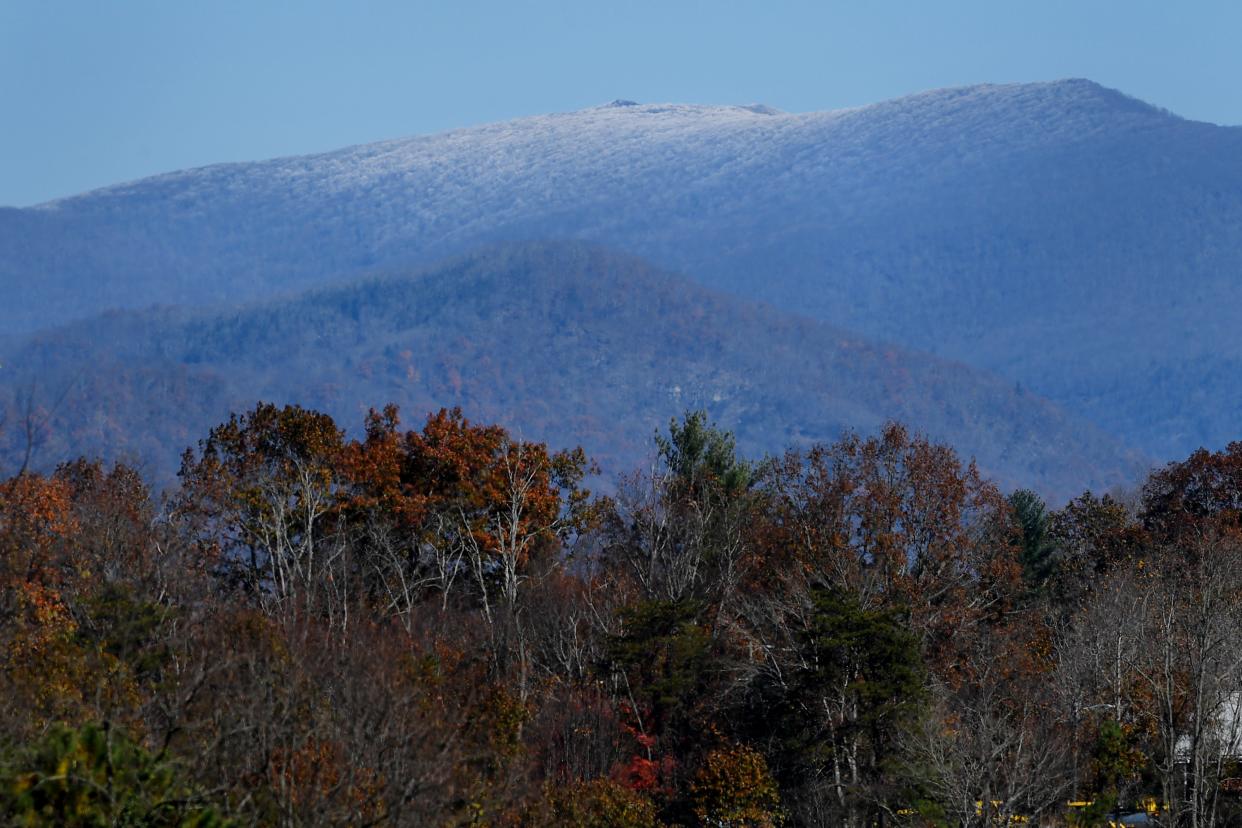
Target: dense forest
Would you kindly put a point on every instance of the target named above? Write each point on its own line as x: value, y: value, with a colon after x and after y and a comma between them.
x: 565, y: 343
x: 443, y: 626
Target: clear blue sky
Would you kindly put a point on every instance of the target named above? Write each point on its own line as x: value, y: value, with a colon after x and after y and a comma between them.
x: 101, y: 91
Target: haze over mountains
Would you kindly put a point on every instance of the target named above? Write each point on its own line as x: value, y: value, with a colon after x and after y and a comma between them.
x: 572, y: 344
x: 1063, y: 236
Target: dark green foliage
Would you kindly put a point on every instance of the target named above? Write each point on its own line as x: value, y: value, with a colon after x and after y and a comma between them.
x: 871, y: 653
x: 855, y: 683
x: 96, y: 776
x: 1038, y: 556
x: 127, y: 629
x: 1116, y: 765
x: 873, y: 648
x: 665, y: 654
x: 701, y: 455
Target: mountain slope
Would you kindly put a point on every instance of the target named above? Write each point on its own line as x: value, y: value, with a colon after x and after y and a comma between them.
x: 1064, y: 235
x: 563, y: 342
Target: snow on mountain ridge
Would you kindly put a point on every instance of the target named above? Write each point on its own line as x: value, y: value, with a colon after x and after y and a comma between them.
x: 582, y: 174
x: 1062, y: 234
x: 1015, y: 112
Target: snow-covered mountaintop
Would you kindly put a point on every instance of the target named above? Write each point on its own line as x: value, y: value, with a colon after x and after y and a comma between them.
x: 1076, y: 240
x: 625, y: 138
x: 606, y: 173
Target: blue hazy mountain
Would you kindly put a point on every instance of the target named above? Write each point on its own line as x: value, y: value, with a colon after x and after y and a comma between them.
x: 562, y: 342
x: 1062, y: 235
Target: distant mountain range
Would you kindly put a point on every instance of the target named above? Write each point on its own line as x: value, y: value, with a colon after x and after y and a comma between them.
x: 1075, y: 242
x: 564, y: 342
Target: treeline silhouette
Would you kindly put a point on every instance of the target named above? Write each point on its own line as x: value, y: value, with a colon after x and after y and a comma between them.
x: 443, y: 626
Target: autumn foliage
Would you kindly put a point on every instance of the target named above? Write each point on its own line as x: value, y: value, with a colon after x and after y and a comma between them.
x: 443, y: 626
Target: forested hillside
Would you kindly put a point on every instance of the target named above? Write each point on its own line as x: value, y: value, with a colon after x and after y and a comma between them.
x: 438, y: 625
x: 566, y: 343
x: 1082, y: 243
x: 648, y: 466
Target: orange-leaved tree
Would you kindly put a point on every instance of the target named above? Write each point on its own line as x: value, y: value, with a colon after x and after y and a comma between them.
x: 259, y: 497
x: 37, y: 579
x: 460, y: 504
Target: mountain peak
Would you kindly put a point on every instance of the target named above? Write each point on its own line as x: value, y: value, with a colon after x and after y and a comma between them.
x: 761, y: 109
x: 1068, y: 94
x: 1088, y: 91
x: 686, y: 110
x: 1062, y: 233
